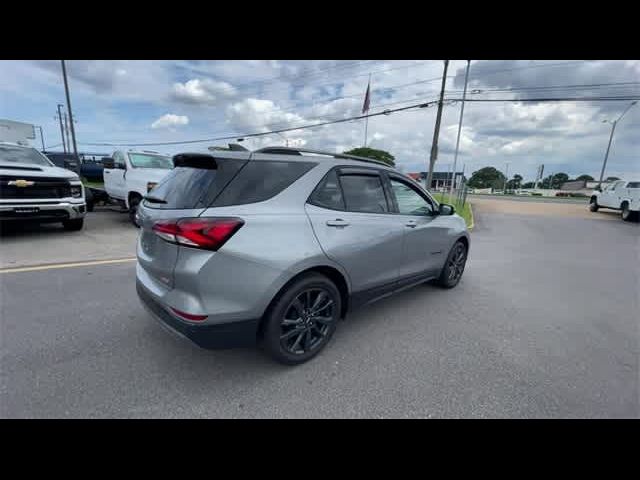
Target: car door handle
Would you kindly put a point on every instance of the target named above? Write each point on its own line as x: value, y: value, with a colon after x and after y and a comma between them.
x: 338, y: 222
x: 411, y: 223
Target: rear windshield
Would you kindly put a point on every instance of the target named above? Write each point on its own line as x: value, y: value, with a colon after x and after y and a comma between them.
x: 227, y: 182
x: 187, y: 187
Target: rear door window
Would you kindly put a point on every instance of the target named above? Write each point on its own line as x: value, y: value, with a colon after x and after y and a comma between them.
x: 633, y: 185
x: 364, y: 193
x: 328, y: 193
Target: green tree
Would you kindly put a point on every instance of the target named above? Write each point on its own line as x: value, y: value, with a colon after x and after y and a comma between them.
x: 528, y: 185
x: 585, y: 177
x: 487, y: 177
x: 515, y: 182
x: 555, y: 182
x: 374, y: 154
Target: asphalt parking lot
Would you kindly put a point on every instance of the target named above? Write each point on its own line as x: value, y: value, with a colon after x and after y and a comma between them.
x: 544, y: 324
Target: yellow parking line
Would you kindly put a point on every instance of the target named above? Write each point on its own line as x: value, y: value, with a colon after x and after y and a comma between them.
x: 66, y: 265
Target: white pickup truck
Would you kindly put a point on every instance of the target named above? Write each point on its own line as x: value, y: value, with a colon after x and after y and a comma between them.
x: 130, y: 174
x: 621, y: 195
x: 34, y: 189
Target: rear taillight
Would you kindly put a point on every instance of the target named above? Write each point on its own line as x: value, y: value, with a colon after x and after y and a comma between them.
x: 205, y: 233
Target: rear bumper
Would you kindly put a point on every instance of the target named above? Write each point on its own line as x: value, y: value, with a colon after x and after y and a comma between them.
x: 44, y: 212
x: 218, y: 336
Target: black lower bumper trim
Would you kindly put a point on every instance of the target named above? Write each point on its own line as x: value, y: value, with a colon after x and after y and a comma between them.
x: 225, y: 335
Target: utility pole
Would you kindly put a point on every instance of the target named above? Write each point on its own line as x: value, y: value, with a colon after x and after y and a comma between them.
x: 613, y: 129
x: 41, y: 137
x: 66, y: 127
x: 366, y: 120
x: 64, y: 144
x: 455, y: 157
x: 73, y: 132
x: 436, y: 131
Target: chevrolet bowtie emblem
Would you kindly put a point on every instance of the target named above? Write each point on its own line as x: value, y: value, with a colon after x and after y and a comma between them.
x: 21, y: 183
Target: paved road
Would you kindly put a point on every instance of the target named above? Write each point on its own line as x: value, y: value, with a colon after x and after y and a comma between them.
x: 542, y: 325
x: 514, y: 198
x: 106, y: 234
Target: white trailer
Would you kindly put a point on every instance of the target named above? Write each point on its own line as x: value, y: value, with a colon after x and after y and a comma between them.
x: 16, y: 132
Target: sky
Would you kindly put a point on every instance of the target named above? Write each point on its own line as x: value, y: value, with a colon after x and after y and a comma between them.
x: 127, y: 101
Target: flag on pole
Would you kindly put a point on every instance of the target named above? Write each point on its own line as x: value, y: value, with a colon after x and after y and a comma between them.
x: 367, y: 99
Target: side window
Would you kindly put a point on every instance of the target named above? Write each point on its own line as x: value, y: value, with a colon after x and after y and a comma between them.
x: 328, y: 193
x: 118, y: 160
x: 633, y: 185
x: 410, y: 202
x: 261, y: 180
x: 364, y: 193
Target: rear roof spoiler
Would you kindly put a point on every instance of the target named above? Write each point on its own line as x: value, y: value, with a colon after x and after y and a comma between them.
x: 195, y: 160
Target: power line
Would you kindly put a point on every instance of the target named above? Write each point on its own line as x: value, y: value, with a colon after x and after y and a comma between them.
x: 375, y: 90
x: 261, y: 134
x: 548, y: 99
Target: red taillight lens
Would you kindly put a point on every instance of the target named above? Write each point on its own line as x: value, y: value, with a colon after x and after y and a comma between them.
x: 189, y: 316
x: 205, y: 233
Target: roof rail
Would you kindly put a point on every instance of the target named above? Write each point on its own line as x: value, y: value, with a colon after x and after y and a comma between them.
x: 300, y: 151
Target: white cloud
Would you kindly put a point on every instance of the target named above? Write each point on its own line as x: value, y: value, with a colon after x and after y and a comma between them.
x: 170, y: 120
x: 205, y: 91
x: 254, y: 113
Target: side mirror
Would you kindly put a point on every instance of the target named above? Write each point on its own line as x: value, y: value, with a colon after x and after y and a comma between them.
x: 446, y: 209
x: 108, y: 162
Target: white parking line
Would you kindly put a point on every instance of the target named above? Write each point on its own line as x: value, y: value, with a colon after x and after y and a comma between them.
x: 66, y: 265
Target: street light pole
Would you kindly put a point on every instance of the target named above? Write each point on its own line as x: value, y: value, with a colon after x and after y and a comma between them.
x: 613, y: 129
x: 606, y: 155
x: 506, y: 177
x: 455, y: 157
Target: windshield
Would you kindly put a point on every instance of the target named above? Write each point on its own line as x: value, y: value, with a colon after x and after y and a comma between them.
x: 11, y: 154
x: 144, y: 160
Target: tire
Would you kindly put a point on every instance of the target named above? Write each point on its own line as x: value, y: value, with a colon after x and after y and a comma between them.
x: 133, y: 209
x: 628, y: 215
x: 73, y: 225
x: 593, y: 205
x: 89, y: 199
x: 457, y: 259
x: 291, y: 340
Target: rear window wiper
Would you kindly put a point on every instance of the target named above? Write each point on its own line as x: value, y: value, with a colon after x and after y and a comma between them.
x: 152, y: 199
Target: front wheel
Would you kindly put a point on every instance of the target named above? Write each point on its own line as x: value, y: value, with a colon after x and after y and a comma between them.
x: 593, y: 205
x: 302, y: 319
x: 133, y: 211
x: 73, y: 225
x: 628, y: 215
x: 454, y: 266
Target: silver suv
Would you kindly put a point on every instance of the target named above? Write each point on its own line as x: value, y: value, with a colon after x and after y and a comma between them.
x: 275, y: 246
